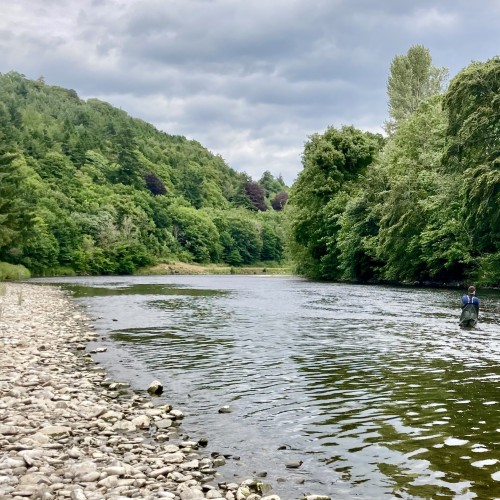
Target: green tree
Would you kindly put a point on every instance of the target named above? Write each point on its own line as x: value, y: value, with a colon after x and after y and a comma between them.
x: 240, y: 236
x: 359, y: 228
x: 472, y: 105
x: 412, y: 163
x: 270, y: 184
x: 272, y: 242
x: 8, y: 216
x: 16, y: 212
x: 412, y: 80
x: 403, y: 223
x: 41, y: 249
x: 332, y: 163
x: 196, y: 233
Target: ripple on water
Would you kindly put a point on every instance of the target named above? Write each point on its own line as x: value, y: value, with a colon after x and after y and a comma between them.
x: 451, y: 441
x: 484, y: 463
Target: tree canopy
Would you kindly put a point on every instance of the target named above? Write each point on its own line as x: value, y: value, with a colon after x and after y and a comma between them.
x: 333, y: 162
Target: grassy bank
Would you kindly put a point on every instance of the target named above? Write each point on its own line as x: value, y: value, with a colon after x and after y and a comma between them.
x: 11, y: 272
x: 186, y: 268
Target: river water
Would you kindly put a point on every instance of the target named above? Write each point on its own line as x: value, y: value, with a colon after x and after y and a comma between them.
x: 375, y: 389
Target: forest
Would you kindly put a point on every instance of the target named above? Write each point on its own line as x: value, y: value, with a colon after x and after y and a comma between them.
x: 420, y: 204
x: 87, y: 189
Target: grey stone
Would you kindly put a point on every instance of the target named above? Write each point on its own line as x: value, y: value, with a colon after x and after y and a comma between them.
x: 164, y: 423
x: 155, y: 388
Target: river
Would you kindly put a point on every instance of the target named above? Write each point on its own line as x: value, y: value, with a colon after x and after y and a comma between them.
x: 374, y: 388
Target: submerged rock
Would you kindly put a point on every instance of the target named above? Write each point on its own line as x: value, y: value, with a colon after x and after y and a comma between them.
x: 316, y: 497
x: 294, y: 465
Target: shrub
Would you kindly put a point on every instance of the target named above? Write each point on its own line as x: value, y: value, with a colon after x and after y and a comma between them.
x: 13, y: 272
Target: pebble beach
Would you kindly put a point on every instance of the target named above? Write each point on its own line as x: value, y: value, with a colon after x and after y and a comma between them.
x: 68, y: 431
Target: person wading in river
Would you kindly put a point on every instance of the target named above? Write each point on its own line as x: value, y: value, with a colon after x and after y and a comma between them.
x: 470, y: 308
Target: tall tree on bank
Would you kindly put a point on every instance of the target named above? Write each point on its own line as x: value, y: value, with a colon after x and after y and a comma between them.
x: 412, y: 80
x: 15, y: 211
x: 472, y: 104
x: 419, y: 237
x: 332, y: 163
x: 397, y: 201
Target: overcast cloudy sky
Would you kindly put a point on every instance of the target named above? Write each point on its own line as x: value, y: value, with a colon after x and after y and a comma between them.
x: 249, y: 79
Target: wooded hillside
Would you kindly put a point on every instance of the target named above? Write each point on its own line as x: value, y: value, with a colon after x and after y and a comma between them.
x: 85, y: 188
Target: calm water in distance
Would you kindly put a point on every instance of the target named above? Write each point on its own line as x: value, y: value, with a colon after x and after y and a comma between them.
x: 376, y: 389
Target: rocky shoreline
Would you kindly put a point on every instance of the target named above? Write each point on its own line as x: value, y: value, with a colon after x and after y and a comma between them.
x: 67, y: 431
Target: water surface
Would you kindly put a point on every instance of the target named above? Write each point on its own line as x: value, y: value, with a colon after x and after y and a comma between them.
x: 376, y: 389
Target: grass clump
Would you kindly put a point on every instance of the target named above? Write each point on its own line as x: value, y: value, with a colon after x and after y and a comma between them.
x: 13, y: 272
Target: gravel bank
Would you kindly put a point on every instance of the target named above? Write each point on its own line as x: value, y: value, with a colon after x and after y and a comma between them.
x: 66, y: 431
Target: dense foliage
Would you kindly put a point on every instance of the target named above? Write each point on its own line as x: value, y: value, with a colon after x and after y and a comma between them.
x: 86, y: 189
x: 423, y: 205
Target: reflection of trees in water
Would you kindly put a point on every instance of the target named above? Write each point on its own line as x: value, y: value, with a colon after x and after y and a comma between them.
x: 381, y: 415
x: 191, y: 332
x: 449, y: 403
x: 141, y: 289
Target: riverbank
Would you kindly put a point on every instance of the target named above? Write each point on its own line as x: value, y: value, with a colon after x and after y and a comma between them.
x: 186, y: 268
x: 67, y: 431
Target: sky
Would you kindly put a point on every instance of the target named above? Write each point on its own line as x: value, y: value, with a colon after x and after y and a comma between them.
x: 250, y: 80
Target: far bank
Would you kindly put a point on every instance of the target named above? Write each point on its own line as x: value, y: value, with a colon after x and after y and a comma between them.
x: 10, y: 272
x: 188, y: 268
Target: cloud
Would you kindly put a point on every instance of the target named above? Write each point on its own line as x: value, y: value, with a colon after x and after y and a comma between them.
x: 249, y: 80
x: 427, y: 21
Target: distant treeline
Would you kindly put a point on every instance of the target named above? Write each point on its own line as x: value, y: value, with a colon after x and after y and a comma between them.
x: 86, y: 189
x: 419, y: 205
